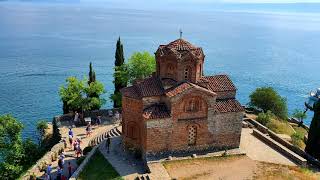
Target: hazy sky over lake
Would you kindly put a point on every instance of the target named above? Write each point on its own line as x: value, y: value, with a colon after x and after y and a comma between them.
x: 213, y: 1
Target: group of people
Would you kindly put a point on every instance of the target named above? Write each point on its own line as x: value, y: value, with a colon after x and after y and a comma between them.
x: 75, y: 144
x: 60, y: 169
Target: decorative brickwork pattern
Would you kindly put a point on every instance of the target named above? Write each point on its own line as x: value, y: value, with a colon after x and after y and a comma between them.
x: 178, y: 110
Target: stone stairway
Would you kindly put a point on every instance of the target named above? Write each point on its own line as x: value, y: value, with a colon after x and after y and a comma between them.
x: 114, y: 132
x: 143, y: 177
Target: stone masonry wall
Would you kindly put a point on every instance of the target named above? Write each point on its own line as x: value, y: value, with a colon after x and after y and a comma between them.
x: 225, y: 128
x: 158, y: 134
x: 132, y: 123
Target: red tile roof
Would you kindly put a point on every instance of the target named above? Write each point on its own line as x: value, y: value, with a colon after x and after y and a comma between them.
x: 229, y: 105
x: 218, y: 83
x: 150, y: 86
x: 180, y: 46
x: 130, y: 91
x: 178, y: 89
x: 183, y: 87
x: 156, y: 111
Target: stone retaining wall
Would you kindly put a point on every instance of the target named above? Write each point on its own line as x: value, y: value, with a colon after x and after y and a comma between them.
x: 268, y: 140
x: 76, y: 174
x: 46, y: 159
x: 101, y: 112
x: 283, y: 142
x: 259, y: 126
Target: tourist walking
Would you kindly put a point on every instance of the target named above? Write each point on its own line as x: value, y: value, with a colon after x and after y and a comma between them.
x: 78, y: 151
x: 108, y: 142
x: 70, y: 133
x: 70, y: 141
x: 76, y: 117
x: 48, y: 170
x: 99, y: 120
x: 59, y: 173
x: 46, y: 176
x: 65, y: 143
x: 89, y: 129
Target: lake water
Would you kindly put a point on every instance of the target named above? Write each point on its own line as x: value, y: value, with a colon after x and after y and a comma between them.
x: 42, y: 44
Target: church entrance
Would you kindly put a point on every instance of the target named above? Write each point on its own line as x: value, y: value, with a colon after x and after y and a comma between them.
x: 192, y: 137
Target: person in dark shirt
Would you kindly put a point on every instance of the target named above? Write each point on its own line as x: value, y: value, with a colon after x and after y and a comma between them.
x: 108, y: 142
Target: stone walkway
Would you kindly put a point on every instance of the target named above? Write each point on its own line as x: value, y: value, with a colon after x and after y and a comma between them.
x: 259, y: 151
x: 79, y: 132
x: 126, y: 165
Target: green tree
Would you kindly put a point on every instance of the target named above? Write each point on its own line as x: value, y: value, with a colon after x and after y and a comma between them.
x: 80, y: 96
x: 300, y: 115
x: 93, y: 99
x: 92, y: 74
x: 118, y: 83
x: 264, y: 118
x: 11, y: 147
x: 73, y: 94
x: 41, y: 128
x: 313, y: 142
x: 140, y: 65
x: 32, y: 152
x: 266, y: 98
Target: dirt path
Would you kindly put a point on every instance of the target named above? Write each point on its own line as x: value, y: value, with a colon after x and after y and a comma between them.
x: 240, y: 167
x: 235, y: 168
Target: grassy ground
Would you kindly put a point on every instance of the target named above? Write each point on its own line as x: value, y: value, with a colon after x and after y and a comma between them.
x: 99, y: 168
x: 280, y: 127
x: 284, y: 127
x: 275, y: 171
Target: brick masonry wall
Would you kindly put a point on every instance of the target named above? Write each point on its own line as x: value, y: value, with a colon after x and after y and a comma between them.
x: 214, y: 130
x: 158, y: 134
x: 132, y: 122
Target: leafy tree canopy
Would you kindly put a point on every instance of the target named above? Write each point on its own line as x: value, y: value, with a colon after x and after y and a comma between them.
x: 11, y: 147
x: 140, y: 65
x: 266, y: 98
x: 80, y: 96
x: 299, y: 114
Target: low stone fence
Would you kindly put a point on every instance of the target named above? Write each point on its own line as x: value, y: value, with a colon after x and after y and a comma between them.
x: 76, y: 174
x: 296, y: 121
x: 259, y: 126
x: 274, y: 144
x: 104, y: 113
x: 283, y: 142
x: 49, y: 157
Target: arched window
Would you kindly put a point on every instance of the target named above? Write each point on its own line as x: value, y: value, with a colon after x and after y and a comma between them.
x: 192, y: 135
x: 170, y: 70
x: 132, y: 131
x: 192, y: 105
x: 187, y: 73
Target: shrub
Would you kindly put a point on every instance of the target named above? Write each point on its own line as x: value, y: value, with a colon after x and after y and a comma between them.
x: 266, y: 98
x: 86, y: 150
x: 297, y: 139
x: 264, y: 118
x: 80, y: 160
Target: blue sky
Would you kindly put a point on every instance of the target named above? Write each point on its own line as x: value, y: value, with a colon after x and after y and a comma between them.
x: 213, y: 1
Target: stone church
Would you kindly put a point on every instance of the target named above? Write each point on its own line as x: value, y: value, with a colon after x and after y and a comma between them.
x: 178, y: 110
